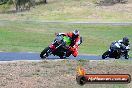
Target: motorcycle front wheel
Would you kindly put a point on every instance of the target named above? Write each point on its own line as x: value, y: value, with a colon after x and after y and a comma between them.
x: 105, y: 54
x: 44, y: 53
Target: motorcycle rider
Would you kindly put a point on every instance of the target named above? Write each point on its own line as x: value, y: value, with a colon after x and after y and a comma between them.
x: 75, y: 38
x: 121, y: 45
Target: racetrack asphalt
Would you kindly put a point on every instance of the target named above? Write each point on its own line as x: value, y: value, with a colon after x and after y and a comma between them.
x: 11, y: 56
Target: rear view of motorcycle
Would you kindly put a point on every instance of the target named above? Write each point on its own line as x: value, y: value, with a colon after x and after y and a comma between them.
x: 58, y: 47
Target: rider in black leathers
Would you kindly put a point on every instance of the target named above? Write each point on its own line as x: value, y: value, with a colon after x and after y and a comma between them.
x: 123, y: 45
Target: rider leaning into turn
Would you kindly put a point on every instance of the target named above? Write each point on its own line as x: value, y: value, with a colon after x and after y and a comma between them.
x: 122, y: 45
x: 75, y: 37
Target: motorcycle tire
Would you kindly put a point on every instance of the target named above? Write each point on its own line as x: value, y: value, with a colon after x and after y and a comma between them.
x: 105, y: 54
x: 43, y: 54
x: 62, y: 57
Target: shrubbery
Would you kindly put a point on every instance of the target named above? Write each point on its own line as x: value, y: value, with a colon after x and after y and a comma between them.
x: 110, y: 2
x: 5, y: 5
x: 20, y: 5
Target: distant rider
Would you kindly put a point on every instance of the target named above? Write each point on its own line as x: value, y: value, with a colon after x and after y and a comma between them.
x: 121, y: 45
x: 75, y: 38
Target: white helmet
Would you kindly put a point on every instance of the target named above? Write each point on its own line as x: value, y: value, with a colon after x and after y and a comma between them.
x: 75, y: 33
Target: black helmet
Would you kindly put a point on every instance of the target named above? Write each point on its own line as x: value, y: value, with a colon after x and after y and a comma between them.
x: 125, y: 40
x: 75, y: 34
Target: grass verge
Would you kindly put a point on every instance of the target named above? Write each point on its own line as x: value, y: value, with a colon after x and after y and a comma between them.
x: 73, y: 10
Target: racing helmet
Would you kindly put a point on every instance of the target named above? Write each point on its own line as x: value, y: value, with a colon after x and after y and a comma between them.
x: 75, y: 34
x: 125, y: 41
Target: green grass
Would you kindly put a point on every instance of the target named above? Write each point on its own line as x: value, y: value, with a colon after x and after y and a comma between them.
x: 73, y: 10
x: 18, y: 36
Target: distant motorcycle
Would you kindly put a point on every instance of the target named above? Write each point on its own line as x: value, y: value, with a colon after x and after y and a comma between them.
x: 115, y: 54
x: 59, y: 47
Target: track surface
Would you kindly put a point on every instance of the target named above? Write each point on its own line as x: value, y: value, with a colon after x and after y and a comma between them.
x: 11, y: 56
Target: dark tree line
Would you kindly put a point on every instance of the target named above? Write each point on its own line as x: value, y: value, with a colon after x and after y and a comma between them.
x: 21, y: 5
x: 3, y: 2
